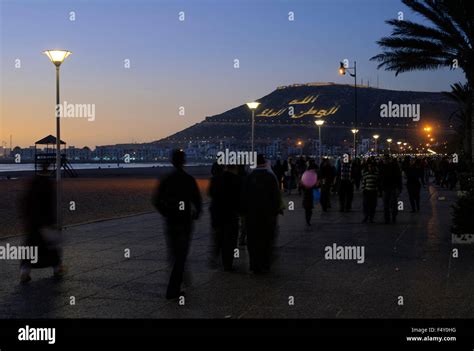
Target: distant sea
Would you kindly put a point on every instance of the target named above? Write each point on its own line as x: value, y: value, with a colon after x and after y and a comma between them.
x: 15, y: 167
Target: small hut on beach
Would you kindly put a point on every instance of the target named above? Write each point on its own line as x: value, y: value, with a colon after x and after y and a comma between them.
x: 48, y: 155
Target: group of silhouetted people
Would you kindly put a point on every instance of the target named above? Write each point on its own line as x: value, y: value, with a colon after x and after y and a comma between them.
x: 245, y: 204
x: 377, y: 177
x: 240, y: 202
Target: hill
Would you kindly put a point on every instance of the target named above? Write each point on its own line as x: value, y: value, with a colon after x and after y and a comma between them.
x: 289, y: 112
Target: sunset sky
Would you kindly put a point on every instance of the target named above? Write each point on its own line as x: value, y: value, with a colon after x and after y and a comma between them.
x: 176, y: 63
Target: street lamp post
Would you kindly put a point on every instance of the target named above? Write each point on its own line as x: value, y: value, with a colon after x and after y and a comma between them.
x: 389, y: 141
x: 355, y: 131
x: 399, y: 143
x: 376, y: 136
x: 253, y: 106
x: 342, y: 71
x: 319, y: 123
x: 57, y: 57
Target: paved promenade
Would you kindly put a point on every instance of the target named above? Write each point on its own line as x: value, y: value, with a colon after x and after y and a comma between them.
x: 411, y: 259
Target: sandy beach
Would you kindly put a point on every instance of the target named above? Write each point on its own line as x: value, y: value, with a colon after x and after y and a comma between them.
x: 98, y: 194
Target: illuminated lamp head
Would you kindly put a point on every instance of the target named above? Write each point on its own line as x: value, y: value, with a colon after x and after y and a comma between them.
x: 342, y: 69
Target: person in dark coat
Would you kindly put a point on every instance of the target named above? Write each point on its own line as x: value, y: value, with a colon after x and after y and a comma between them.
x: 370, y: 188
x: 290, y: 175
x: 178, y: 199
x: 452, y: 176
x: 242, y: 173
x: 224, y: 192
x: 279, y: 171
x: 39, y: 211
x: 261, y: 204
x: 346, y: 185
x: 443, y: 171
x: 356, y: 172
x: 308, y: 195
x: 326, y: 179
x: 415, y: 178
x: 300, y: 168
x: 391, y: 185
x: 284, y: 167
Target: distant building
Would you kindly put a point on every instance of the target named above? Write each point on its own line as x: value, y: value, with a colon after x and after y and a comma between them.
x: 4, y: 152
x: 363, y: 146
x: 78, y: 154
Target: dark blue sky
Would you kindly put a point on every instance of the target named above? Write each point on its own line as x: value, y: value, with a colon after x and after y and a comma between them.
x: 177, y: 63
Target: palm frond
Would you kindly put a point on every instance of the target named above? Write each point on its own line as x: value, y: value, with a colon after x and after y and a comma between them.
x: 413, y: 46
x: 403, y: 60
x: 410, y: 29
x: 435, y: 12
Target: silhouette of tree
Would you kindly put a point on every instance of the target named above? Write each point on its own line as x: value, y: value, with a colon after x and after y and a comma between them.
x: 447, y: 41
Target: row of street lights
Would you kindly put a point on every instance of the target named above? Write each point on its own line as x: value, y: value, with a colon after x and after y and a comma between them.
x: 320, y: 122
x: 57, y: 57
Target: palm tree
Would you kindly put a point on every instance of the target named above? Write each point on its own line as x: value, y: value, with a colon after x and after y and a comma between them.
x: 463, y: 95
x: 447, y: 42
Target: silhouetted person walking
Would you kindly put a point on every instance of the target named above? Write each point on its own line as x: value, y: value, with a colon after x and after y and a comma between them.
x: 356, y: 172
x: 326, y: 178
x: 443, y: 170
x: 415, y: 177
x: 178, y: 199
x: 370, y: 187
x: 300, y: 168
x: 260, y: 204
x: 279, y: 171
x: 224, y: 192
x: 346, y: 186
x: 39, y: 210
x: 290, y: 175
x: 242, y: 173
x: 391, y: 183
x: 452, y: 176
x: 308, y: 195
